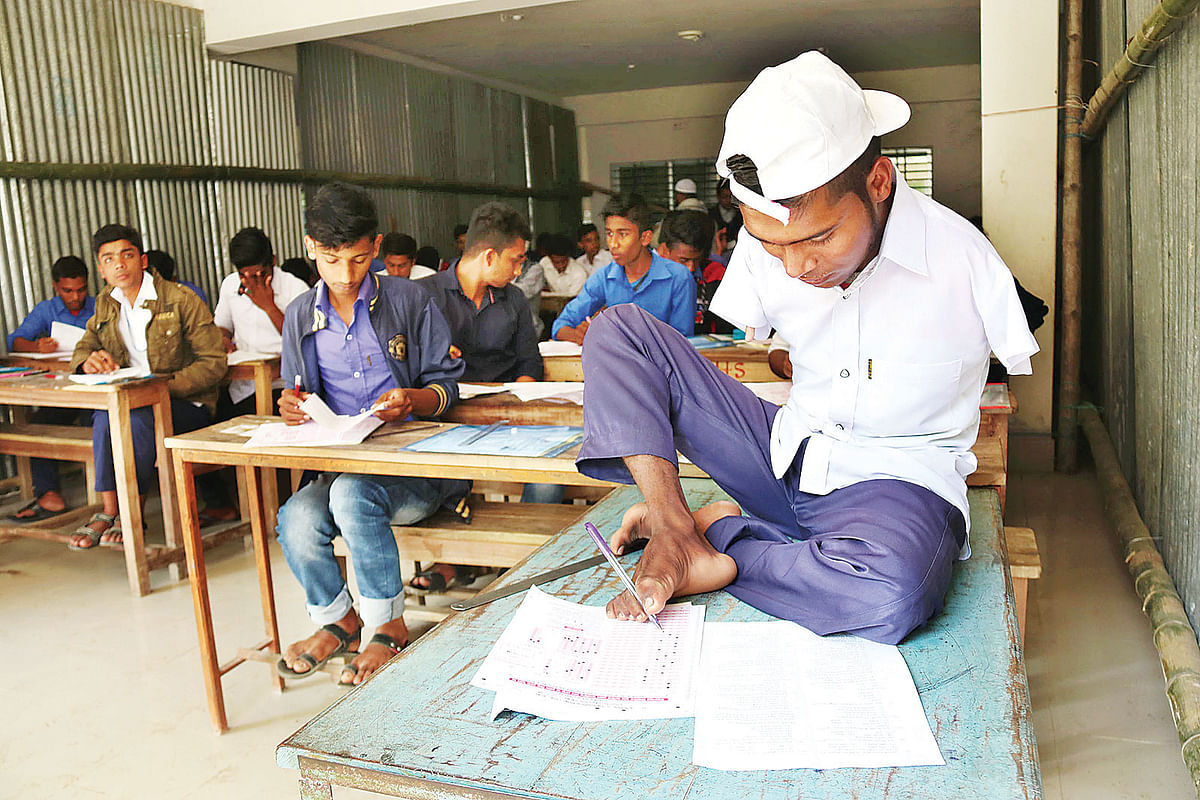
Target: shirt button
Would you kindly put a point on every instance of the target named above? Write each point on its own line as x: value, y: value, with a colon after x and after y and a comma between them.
x: 845, y: 373
x: 845, y: 297
x: 357, y: 374
x: 349, y: 336
x: 841, y: 427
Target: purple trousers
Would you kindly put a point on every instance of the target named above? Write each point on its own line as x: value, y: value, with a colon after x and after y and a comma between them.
x: 873, y: 559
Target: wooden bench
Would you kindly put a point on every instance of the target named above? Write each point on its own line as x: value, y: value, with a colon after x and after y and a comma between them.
x: 993, y: 467
x: 499, y: 535
x: 58, y: 442
x: 511, y: 491
x: 1024, y: 564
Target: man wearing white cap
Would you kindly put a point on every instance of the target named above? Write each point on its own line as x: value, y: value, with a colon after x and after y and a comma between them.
x: 685, y: 196
x: 850, y: 499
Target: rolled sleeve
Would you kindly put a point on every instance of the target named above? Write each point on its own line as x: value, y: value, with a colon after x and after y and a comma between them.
x: 736, y: 299
x: 438, y: 370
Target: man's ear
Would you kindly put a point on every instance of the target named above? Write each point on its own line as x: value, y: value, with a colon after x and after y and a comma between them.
x: 880, y: 180
x: 647, y: 237
x: 310, y: 248
x: 375, y: 247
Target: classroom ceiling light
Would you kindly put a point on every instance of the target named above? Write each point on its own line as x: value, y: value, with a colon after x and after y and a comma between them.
x: 691, y: 35
x: 630, y: 66
x: 507, y: 17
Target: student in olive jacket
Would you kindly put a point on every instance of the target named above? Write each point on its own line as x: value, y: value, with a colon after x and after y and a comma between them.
x: 154, y: 326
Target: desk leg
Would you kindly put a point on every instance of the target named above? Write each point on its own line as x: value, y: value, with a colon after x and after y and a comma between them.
x: 128, y: 500
x: 163, y: 427
x: 259, y: 519
x: 20, y: 415
x: 193, y: 548
x: 264, y: 408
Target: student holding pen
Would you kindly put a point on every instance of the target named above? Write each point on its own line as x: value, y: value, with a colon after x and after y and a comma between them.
x: 358, y: 340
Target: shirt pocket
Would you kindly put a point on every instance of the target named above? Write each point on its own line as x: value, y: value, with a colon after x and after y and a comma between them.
x: 909, y: 398
x: 164, y: 340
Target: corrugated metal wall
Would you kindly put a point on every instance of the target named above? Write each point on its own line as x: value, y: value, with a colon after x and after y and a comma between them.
x: 128, y: 81
x: 1142, y: 326
x: 359, y: 113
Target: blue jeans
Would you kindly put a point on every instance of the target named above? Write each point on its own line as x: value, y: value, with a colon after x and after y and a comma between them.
x: 184, y: 417
x: 361, y: 509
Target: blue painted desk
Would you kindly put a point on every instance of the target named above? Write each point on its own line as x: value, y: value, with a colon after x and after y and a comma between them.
x: 419, y: 730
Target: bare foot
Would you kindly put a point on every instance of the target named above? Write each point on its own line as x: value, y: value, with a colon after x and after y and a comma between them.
x: 321, y: 643
x: 678, y: 559
x: 374, y: 655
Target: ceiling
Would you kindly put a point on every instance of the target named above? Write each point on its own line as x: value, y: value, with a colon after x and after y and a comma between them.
x: 586, y: 46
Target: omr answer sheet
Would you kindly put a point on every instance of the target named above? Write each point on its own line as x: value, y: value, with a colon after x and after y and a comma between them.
x: 564, y: 661
x: 774, y: 695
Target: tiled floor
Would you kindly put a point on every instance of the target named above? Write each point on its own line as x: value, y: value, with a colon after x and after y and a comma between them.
x: 102, y: 697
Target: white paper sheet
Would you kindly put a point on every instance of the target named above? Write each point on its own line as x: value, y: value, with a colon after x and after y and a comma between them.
x: 557, y: 348
x: 323, y: 415
x: 310, y: 434
x: 774, y: 695
x: 109, y: 377
x: 540, y: 390
x: 242, y: 356
x: 565, y: 661
x: 772, y: 391
x: 57, y: 355
x: 66, y: 335
x: 468, y: 390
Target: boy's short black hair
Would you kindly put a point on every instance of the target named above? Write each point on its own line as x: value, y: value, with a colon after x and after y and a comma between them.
x: 584, y: 230
x: 340, y: 214
x: 115, y: 232
x: 632, y: 207
x: 460, y: 229
x: 301, y: 268
x: 851, y: 180
x: 428, y: 256
x: 398, y: 244
x: 250, y: 247
x: 162, y: 263
x: 692, y: 228
x: 68, y: 267
x: 560, y: 245
x: 494, y: 225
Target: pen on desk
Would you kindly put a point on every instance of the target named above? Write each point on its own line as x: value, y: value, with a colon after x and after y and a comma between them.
x: 616, y: 565
x: 485, y: 431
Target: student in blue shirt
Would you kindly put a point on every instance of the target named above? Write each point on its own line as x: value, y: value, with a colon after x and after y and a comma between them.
x: 358, y: 339
x: 162, y: 263
x: 71, y: 305
x: 637, y: 275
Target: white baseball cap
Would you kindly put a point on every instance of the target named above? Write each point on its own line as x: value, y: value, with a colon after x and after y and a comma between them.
x: 686, y: 185
x: 802, y: 123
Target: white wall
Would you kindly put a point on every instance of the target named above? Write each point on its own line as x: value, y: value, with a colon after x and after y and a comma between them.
x: 1020, y: 170
x: 688, y: 121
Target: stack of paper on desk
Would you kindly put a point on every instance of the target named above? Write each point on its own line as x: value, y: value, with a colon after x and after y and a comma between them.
x: 561, y: 660
x: 324, y: 428
x: 242, y: 356
x: 116, y: 376
x: 765, y: 695
x: 66, y: 335
x: 557, y: 348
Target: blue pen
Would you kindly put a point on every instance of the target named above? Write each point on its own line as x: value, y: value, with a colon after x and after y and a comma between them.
x: 616, y: 565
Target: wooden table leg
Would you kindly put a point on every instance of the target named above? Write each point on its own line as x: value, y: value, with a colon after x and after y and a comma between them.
x: 193, y: 547
x: 164, y: 426
x: 259, y: 515
x: 20, y: 415
x: 128, y: 500
x: 264, y: 406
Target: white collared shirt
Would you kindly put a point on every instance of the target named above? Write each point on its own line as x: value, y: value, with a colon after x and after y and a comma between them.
x: 133, y: 321
x: 603, y: 259
x: 569, y: 281
x: 887, y: 374
x: 251, y: 327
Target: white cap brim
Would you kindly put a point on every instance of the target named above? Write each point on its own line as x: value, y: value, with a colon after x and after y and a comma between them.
x: 888, y: 111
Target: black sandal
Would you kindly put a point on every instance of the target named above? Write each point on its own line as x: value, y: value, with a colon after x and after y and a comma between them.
x: 345, y: 642
x: 379, y: 638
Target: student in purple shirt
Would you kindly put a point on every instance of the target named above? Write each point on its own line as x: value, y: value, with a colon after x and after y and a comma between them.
x: 71, y: 305
x: 358, y: 339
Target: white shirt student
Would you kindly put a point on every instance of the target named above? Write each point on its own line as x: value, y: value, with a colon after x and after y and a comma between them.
x: 569, y: 280
x: 250, y: 327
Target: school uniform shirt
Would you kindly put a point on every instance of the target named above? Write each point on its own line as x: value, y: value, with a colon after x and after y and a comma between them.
x: 569, y: 281
x: 133, y: 320
x: 497, y: 340
x: 252, y: 329
x: 603, y: 259
x: 667, y: 290
x: 36, y: 324
x: 887, y: 373
x: 417, y: 272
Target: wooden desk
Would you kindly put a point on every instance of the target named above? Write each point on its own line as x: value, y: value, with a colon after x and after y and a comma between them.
x: 745, y: 362
x: 382, y: 456
x: 418, y: 729
x: 117, y: 399
x: 554, y: 303
x: 263, y: 372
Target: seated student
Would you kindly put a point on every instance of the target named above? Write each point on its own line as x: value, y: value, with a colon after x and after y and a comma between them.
x: 398, y: 251
x: 71, y: 305
x: 427, y: 256
x: 685, y: 238
x: 250, y: 306
x: 148, y: 322
x: 685, y: 196
x: 164, y: 265
x: 727, y: 217
x: 358, y: 340
x: 592, y: 258
x: 460, y: 242
x: 563, y: 274
x: 489, y: 322
x: 301, y: 268
x: 637, y: 275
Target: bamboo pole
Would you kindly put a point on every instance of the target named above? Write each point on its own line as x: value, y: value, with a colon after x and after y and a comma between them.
x: 1067, y: 450
x: 1173, y: 633
x: 1158, y: 26
x: 117, y: 172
